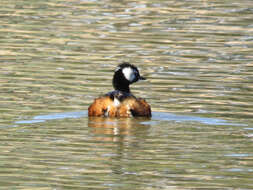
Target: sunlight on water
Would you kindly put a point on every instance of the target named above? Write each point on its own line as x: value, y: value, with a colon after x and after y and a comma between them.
x: 156, y: 116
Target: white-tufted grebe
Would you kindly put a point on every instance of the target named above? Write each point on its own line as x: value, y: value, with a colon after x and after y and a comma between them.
x: 120, y: 102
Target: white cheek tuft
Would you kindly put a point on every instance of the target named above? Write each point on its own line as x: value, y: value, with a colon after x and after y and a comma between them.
x: 129, y: 73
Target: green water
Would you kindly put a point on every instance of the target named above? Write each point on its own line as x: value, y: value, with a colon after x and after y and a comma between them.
x: 57, y: 56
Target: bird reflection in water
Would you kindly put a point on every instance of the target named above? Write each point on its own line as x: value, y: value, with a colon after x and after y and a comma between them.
x: 117, y: 129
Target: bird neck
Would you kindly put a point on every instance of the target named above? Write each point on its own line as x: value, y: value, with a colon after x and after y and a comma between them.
x: 123, y: 88
x: 120, y: 83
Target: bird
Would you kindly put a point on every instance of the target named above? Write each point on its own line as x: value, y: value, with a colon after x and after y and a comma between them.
x: 121, y: 102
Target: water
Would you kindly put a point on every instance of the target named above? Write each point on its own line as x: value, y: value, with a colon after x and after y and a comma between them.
x: 56, y: 56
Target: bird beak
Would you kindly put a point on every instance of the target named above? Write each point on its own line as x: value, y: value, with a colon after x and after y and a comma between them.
x: 141, y: 78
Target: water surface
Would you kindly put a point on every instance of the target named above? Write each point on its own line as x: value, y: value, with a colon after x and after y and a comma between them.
x: 57, y: 56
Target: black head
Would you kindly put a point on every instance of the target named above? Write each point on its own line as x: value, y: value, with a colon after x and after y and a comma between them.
x: 125, y: 74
